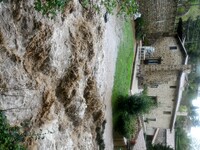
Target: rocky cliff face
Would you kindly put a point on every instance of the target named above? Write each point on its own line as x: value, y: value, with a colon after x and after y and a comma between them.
x: 50, y: 74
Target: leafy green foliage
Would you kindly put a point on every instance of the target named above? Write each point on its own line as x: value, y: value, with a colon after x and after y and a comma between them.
x: 139, y: 27
x: 85, y: 3
x: 183, y: 8
x: 180, y: 28
x: 193, y: 116
x: 128, y: 108
x: 125, y: 124
x: 127, y: 7
x: 159, y: 147
x: 182, y: 139
x: 109, y: 5
x: 50, y: 7
x: 10, y: 137
x: 4, y: 1
x: 191, y: 28
x: 99, y: 136
x: 136, y: 104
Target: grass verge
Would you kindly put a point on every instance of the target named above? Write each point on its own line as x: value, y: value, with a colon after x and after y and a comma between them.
x: 123, y: 72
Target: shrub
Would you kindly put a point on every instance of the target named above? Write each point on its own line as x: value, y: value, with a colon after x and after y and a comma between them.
x: 125, y: 124
x: 99, y: 136
x: 10, y: 137
x: 127, y: 7
x: 159, y: 147
x: 128, y: 109
x: 3, y: 1
x: 139, y: 28
x: 136, y: 104
x: 180, y: 28
x: 50, y: 7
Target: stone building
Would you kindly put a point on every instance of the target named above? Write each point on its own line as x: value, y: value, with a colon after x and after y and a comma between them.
x: 163, y: 72
x: 164, y: 137
x: 159, y: 17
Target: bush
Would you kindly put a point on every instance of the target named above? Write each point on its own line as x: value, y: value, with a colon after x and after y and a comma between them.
x: 125, y: 124
x: 127, y: 7
x: 99, y: 136
x: 139, y: 28
x: 159, y: 147
x: 128, y: 109
x: 10, y: 137
x: 136, y: 104
x: 180, y: 28
x: 50, y: 7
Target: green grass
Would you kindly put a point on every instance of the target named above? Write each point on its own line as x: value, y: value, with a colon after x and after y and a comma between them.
x: 123, y: 72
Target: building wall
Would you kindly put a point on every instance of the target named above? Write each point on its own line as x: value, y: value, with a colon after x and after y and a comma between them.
x: 166, y: 77
x: 171, y: 62
x: 166, y: 97
x: 159, y: 16
x: 162, y: 49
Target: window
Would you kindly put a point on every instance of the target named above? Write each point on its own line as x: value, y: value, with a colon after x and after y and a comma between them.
x: 151, y: 119
x: 167, y: 112
x: 152, y: 61
x: 172, y: 87
x: 154, y: 99
x: 173, y: 47
x: 153, y: 85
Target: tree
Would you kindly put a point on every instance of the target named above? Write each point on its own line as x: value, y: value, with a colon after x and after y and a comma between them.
x: 182, y: 139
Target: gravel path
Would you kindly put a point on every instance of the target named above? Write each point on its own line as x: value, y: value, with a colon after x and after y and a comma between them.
x: 140, y: 141
x: 113, y: 32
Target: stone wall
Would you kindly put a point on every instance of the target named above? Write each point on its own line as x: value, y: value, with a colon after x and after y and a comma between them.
x: 166, y: 98
x: 163, y: 81
x: 171, y: 63
x: 162, y: 49
x: 159, y: 16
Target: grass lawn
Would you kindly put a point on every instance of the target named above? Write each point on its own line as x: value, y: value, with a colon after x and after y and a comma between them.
x: 123, y: 72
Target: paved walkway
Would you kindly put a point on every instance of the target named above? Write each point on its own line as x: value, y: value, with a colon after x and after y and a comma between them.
x: 134, y: 85
x: 140, y: 142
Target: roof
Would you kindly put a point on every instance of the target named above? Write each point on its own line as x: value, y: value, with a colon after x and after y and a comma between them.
x: 183, y: 76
